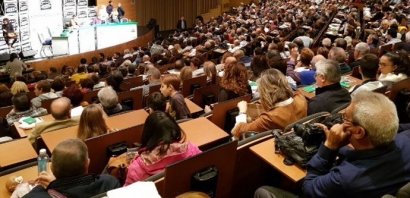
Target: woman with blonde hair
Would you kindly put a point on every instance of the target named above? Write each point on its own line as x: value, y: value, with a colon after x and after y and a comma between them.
x: 209, y: 70
x: 186, y: 73
x: 178, y: 48
x: 280, y: 104
x: 18, y: 87
x: 92, y: 122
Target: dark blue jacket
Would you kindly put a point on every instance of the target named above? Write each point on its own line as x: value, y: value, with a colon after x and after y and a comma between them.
x: 77, y: 187
x: 359, y: 173
x: 307, y: 77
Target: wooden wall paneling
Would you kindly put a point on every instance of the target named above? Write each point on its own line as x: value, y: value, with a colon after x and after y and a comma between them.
x: 235, y: 3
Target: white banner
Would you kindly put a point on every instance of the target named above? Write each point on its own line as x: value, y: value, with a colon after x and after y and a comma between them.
x: 109, y: 35
x: 69, y: 3
x: 82, y: 3
x: 10, y: 7
x: 24, y: 20
x: 42, y: 20
x: 69, y: 12
x: 82, y: 13
x: 45, y: 5
x: 23, y: 6
x: 87, y: 38
x: 92, y: 12
x: 25, y: 34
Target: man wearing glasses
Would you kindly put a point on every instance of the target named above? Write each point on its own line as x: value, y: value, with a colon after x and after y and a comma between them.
x: 361, y: 157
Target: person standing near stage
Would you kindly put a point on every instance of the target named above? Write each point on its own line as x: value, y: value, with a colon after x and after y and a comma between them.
x: 15, y: 66
x: 181, y: 25
x: 121, y: 12
x: 8, y: 32
x: 109, y: 9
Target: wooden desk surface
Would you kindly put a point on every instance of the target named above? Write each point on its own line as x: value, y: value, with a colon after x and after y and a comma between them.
x: 21, y: 151
x: 310, y: 95
x: 201, y: 131
x: 266, y: 151
x: 27, y: 174
x: 25, y: 132
x: 122, y: 121
x: 193, y: 108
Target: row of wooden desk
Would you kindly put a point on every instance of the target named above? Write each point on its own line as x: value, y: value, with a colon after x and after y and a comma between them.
x: 193, y: 108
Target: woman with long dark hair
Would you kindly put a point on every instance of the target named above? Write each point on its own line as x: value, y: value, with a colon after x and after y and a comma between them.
x: 162, y: 143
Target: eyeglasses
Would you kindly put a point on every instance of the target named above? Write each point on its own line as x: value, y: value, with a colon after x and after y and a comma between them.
x: 343, y: 116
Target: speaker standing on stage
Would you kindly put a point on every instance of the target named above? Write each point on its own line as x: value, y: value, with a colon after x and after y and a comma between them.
x: 8, y: 32
x: 181, y: 25
x: 121, y: 12
x: 15, y: 66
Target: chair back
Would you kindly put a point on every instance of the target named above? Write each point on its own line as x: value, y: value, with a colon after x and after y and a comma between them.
x: 355, y: 73
x: 5, y: 110
x: 189, y: 85
x: 203, y: 95
x: 220, y: 109
x: 91, y: 96
x: 135, y: 96
x: 46, y: 104
x: 381, y: 90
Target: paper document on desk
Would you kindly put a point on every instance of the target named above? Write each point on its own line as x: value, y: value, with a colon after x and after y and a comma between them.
x: 142, y: 189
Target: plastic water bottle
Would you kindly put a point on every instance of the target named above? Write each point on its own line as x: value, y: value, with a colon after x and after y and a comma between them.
x: 42, y: 160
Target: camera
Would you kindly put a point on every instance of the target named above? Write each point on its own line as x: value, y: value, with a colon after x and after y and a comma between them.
x: 310, y: 133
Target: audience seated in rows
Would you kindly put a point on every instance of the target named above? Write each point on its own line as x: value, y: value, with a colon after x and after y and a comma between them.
x: 376, y: 152
x: 162, y: 143
x: 61, y: 111
x: 22, y: 108
x: 280, y: 104
x: 153, y: 78
x: 69, y: 175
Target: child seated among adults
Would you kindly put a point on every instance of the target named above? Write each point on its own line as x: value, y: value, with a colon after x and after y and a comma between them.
x: 177, y: 107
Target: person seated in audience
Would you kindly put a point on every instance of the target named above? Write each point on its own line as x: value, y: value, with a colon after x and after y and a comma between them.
x: 236, y: 46
x: 258, y: 65
x: 373, y: 41
x: 179, y: 64
x: 234, y: 83
x: 322, y: 51
x: 240, y: 56
x: 195, y: 66
x: 161, y: 144
x: 209, y: 70
x: 329, y: 93
x: 280, y: 104
x: 69, y: 175
x: 307, y: 77
x: 86, y: 85
x: 22, y: 108
x: 131, y: 71
x: 5, y: 96
x: 81, y: 74
x: 42, y: 92
x: 294, y: 54
x: 53, y: 73
x: 391, y: 36
x: 326, y: 42
x: 97, y: 83
x: 58, y: 86
x: 185, y: 74
x: 406, y: 45
x: 307, y: 41
x: 153, y: 78
x: 92, y: 122
x: 61, y: 111
x: 220, y: 66
x: 156, y: 48
x: 338, y: 54
x: 76, y: 98
x: 115, y: 80
x: 18, y: 87
x: 360, y: 50
x: 306, y: 56
x: 109, y: 101
x: 376, y: 163
x: 394, y: 67
x: 127, y: 54
x: 227, y: 61
x: 156, y: 102
x: 369, y: 67
x: 123, y: 69
x: 177, y: 107
x: 279, y: 63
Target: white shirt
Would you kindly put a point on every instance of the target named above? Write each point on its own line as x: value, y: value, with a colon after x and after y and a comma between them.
x: 391, y: 77
x: 77, y: 111
x: 369, y: 86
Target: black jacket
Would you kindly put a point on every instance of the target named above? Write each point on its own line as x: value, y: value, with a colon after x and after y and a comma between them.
x: 77, y: 187
x: 179, y: 24
x: 328, y: 98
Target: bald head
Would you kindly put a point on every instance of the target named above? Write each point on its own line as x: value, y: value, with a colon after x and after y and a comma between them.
x: 145, y: 58
x: 60, y: 108
x: 316, y: 59
x: 70, y: 159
